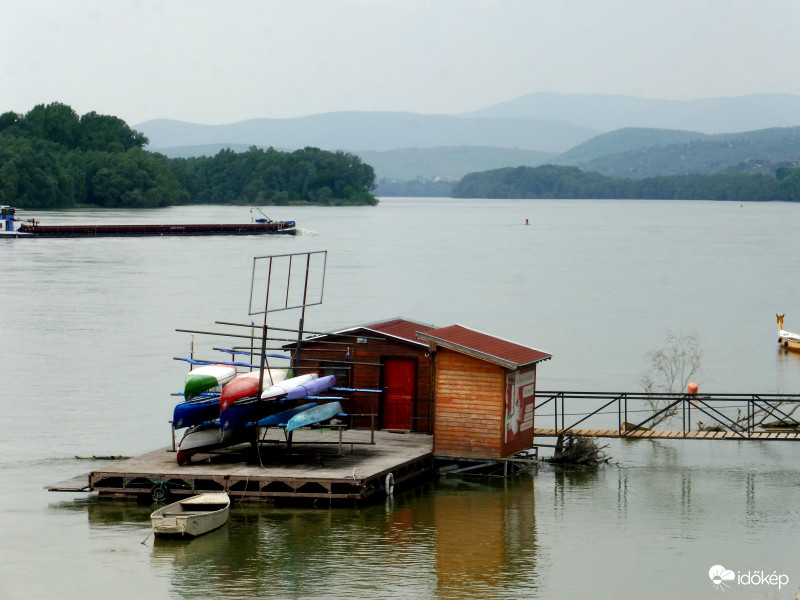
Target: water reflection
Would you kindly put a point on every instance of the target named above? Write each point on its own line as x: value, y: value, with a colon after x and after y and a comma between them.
x: 452, y: 539
x: 486, y: 540
x: 479, y: 538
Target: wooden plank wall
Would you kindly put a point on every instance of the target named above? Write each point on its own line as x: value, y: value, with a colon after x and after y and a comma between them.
x: 371, y: 377
x: 469, y: 407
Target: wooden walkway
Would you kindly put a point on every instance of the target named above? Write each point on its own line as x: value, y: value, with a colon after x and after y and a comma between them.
x: 787, y: 435
x: 318, y: 467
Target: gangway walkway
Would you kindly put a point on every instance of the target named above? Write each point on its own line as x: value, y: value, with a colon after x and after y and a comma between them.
x: 701, y: 416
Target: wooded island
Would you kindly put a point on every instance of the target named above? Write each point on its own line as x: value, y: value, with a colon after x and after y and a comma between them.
x: 51, y: 158
x: 550, y: 181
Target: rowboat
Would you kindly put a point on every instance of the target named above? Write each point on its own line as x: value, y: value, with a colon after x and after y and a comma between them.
x: 787, y: 339
x: 245, y: 385
x: 192, y: 516
x: 206, y: 378
x: 283, y: 388
x: 282, y: 418
x: 312, y: 416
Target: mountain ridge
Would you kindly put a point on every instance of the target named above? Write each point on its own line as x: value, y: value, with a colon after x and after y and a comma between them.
x: 570, y: 131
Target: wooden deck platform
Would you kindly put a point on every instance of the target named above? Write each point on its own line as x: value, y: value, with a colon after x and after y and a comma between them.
x: 318, y: 466
x: 788, y: 435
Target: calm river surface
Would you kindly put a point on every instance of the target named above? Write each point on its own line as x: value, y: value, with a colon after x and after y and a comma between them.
x: 87, y: 369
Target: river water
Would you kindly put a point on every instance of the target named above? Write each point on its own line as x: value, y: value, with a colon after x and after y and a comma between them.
x: 87, y: 369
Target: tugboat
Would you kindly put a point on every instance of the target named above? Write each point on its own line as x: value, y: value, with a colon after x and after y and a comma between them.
x: 7, y: 221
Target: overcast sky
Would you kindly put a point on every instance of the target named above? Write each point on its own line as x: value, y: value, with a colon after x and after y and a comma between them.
x: 221, y: 61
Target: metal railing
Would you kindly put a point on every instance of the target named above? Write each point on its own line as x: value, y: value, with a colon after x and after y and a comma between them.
x: 751, y: 410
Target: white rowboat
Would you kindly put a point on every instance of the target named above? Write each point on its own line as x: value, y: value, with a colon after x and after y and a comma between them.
x: 191, y: 516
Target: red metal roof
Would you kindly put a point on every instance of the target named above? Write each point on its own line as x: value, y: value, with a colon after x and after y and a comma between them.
x: 401, y: 328
x: 486, y: 347
x: 398, y: 328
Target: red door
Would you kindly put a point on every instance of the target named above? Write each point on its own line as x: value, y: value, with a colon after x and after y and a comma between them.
x: 398, y: 392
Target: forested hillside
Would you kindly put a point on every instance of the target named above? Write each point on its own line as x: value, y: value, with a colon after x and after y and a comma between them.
x: 52, y: 158
x: 651, y: 152
x: 551, y: 181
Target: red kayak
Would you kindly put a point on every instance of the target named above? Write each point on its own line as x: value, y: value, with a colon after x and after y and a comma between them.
x: 245, y: 385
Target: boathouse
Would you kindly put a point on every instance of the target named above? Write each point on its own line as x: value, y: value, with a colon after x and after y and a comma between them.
x: 484, y: 393
x: 384, y: 357
x: 473, y: 391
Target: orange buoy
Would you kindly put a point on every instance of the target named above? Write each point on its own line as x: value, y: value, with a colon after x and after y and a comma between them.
x: 692, y: 388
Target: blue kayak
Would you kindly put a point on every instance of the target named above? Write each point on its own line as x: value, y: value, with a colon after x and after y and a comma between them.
x: 241, y: 414
x: 195, y: 412
x: 315, y: 415
x: 282, y: 418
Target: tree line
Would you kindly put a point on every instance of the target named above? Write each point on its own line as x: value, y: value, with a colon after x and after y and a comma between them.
x: 52, y: 158
x: 550, y: 181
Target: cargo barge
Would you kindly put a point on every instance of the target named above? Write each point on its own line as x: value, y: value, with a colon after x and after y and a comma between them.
x: 32, y: 228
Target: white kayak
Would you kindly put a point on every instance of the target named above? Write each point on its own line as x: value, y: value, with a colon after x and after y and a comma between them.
x: 204, y: 438
x: 281, y: 389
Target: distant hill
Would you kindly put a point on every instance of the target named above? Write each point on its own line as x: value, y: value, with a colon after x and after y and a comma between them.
x: 624, y: 140
x: 642, y: 153
x: 610, y: 112
x: 450, y: 163
x: 614, y: 135
x: 376, y: 131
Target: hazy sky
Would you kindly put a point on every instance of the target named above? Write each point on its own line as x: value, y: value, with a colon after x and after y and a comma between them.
x: 221, y: 61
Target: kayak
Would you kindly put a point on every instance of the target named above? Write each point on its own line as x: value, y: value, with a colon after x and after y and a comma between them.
x: 245, y: 385
x: 205, y: 378
x: 315, y: 386
x: 277, y: 390
x: 244, y: 414
x: 195, y: 412
x: 312, y: 416
x: 283, y: 417
x: 202, y: 438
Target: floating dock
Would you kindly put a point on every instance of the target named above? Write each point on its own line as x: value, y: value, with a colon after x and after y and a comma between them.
x: 321, y: 464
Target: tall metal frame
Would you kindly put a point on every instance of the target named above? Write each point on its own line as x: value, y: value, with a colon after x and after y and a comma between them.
x: 273, y: 268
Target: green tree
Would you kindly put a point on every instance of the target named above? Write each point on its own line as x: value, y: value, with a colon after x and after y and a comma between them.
x: 54, y: 122
x: 108, y: 134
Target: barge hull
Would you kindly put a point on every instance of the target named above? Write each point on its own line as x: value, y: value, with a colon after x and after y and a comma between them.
x: 280, y: 227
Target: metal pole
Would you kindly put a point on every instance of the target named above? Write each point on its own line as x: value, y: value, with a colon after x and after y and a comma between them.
x: 302, y: 313
x: 263, y: 361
